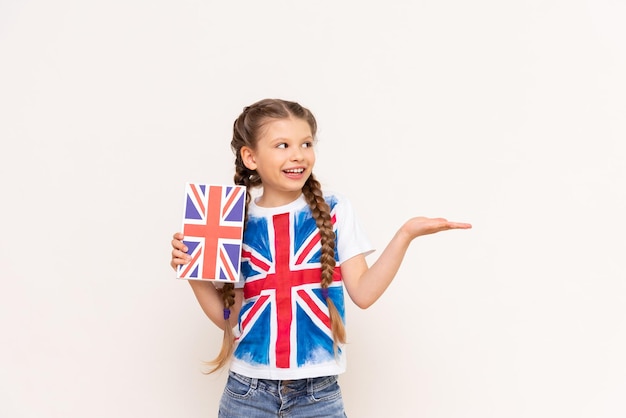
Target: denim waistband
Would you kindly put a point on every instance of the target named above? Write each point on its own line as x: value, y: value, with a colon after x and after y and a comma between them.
x: 310, y: 384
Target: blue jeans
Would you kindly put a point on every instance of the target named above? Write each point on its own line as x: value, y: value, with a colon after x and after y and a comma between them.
x: 245, y: 397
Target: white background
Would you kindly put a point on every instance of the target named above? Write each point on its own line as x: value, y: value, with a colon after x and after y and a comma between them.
x: 509, y: 115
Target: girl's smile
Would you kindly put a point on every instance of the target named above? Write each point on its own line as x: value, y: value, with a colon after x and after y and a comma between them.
x: 284, y: 159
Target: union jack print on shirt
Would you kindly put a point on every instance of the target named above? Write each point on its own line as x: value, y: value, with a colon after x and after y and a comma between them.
x: 284, y: 320
x: 213, y: 228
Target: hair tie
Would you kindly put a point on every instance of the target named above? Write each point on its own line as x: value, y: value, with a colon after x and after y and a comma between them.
x: 226, y: 313
x: 324, y: 293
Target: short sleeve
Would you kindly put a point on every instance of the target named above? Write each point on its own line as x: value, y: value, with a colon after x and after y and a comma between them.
x: 351, y: 237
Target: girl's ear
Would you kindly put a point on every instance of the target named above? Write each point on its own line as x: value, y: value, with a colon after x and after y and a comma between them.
x: 247, y: 156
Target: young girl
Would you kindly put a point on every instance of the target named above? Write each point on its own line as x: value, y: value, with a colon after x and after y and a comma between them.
x: 284, y: 325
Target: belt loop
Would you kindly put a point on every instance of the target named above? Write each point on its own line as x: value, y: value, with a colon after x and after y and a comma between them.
x: 309, y: 386
x: 254, y: 383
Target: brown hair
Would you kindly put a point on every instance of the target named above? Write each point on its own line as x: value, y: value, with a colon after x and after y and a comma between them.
x: 246, y: 131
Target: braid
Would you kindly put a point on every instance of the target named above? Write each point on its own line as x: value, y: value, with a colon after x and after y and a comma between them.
x: 228, y: 342
x: 321, y: 213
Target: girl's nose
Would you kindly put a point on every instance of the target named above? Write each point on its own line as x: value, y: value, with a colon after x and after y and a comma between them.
x: 296, y: 154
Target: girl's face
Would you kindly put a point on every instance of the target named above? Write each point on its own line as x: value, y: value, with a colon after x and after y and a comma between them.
x: 284, y: 158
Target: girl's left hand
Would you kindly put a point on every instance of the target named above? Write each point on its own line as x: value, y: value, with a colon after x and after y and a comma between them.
x: 421, y: 225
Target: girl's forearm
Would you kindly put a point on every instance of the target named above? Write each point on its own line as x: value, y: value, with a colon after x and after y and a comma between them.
x: 369, y: 284
x: 375, y: 280
x: 211, y: 302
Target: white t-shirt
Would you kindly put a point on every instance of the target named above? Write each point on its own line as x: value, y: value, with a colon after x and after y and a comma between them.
x: 284, y: 330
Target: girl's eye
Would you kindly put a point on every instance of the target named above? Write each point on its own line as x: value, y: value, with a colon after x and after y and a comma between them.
x: 307, y: 145
x: 281, y: 145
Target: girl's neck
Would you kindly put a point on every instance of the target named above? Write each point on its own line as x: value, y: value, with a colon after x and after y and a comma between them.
x: 274, y: 200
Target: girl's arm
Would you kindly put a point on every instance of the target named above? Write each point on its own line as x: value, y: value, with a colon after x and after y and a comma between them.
x: 209, y: 298
x: 366, y: 284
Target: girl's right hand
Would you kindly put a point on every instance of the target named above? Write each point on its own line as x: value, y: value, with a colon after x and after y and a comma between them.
x: 179, y: 251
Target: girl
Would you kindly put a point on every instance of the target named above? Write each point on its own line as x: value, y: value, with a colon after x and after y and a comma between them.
x: 284, y: 326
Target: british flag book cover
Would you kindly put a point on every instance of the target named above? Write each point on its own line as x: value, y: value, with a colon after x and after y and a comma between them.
x: 213, y: 220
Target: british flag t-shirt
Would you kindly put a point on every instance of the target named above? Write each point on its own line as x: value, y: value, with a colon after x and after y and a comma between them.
x: 284, y: 328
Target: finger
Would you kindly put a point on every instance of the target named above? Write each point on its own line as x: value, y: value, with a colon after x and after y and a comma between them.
x: 176, y: 262
x: 459, y: 225
x: 179, y: 245
x: 174, y: 265
x: 180, y: 255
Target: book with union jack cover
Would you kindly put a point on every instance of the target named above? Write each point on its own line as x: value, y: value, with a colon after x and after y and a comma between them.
x: 213, y: 219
